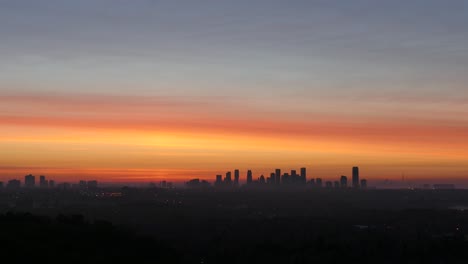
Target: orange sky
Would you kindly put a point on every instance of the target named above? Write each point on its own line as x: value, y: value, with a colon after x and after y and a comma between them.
x: 132, y: 139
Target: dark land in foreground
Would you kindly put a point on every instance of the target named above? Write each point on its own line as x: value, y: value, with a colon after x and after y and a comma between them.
x: 234, y: 226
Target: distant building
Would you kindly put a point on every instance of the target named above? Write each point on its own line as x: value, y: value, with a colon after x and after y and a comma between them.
x: 196, y: 183
x: 363, y: 183
x: 64, y: 186
x: 312, y: 182
x: 228, y: 179
x: 328, y: 184
x: 318, y: 182
x: 272, y: 179
x: 13, y: 184
x: 344, y: 182
x: 278, y: 176
x: 163, y: 184
x: 219, y: 180
x: 52, y: 184
x: 1, y: 185
x: 444, y: 187
x: 82, y: 185
x: 285, y: 179
x: 92, y: 184
x: 43, y: 183
x: 261, y: 180
x: 303, y: 176
x: 294, y: 177
x: 249, y: 177
x: 355, y: 177
x: 336, y: 184
x: 236, y: 177
x: 29, y: 181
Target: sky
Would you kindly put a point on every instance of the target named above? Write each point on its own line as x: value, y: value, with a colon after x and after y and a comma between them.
x: 146, y: 90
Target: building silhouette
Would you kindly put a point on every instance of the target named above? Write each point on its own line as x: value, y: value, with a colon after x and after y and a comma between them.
x: 236, y: 177
x: 344, y: 182
x: 92, y: 184
x: 228, y: 179
x: 303, y: 176
x: 318, y: 183
x: 285, y: 179
x: 13, y: 184
x: 249, y: 177
x: 328, y: 184
x: 43, y: 183
x: 271, y: 180
x: 82, y: 184
x: 261, y: 180
x: 219, y: 180
x: 336, y: 184
x: 1, y: 185
x: 51, y: 183
x: 363, y: 183
x: 278, y: 176
x: 355, y: 177
x: 29, y: 181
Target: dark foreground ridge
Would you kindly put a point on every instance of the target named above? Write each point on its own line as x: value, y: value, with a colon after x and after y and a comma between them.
x: 157, y: 225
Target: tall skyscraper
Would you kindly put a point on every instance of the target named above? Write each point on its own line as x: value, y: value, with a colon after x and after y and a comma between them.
x: 228, y: 178
x: 355, y: 177
x: 344, y: 182
x: 303, y: 176
x: 236, y: 177
x: 278, y: 176
x: 249, y: 177
x: 29, y: 181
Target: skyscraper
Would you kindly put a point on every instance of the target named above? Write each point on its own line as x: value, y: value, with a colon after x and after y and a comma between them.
x: 236, y: 177
x: 29, y: 181
x: 344, y: 182
x: 249, y: 177
x: 303, y: 176
x: 278, y: 176
x: 355, y: 177
x: 228, y: 179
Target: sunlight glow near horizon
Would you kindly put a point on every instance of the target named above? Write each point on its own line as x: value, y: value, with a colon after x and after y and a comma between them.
x: 122, y: 91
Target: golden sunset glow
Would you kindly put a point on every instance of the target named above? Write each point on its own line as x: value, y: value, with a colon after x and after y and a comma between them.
x: 153, y: 138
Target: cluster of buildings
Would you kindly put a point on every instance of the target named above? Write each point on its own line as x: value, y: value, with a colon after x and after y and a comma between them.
x: 30, y: 183
x: 292, y: 178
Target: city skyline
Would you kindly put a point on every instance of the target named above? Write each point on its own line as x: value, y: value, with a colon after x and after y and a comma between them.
x: 153, y: 90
